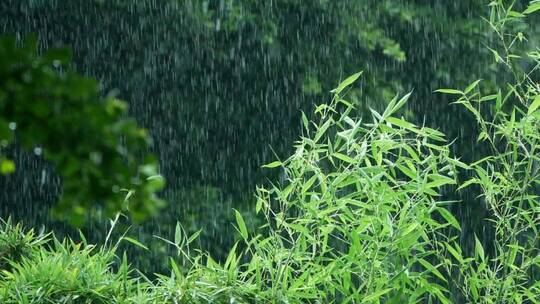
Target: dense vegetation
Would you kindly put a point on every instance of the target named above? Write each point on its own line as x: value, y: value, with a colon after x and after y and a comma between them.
x: 216, y: 83
x: 360, y: 215
x: 59, y: 115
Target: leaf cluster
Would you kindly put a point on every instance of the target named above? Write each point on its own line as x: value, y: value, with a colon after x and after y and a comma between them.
x: 50, y: 110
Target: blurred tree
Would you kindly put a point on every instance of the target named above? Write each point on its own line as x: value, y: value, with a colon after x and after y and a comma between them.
x: 50, y: 110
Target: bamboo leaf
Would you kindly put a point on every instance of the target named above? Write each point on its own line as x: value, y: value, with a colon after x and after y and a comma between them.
x: 439, y: 180
x: 305, y: 121
x: 472, y: 86
x: 178, y: 234
x: 135, y: 242
x: 449, y: 91
x: 274, y: 164
x: 401, y: 102
x: 376, y: 295
x: 534, y: 105
x: 344, y: 157
x: 449, y: 218
x: 454, y: 252
x: 432, y: 269
x: 402, y: 123
x: 194, y: 236
x: 478, y: 249
x: 241, y: 224
x: 533, y: 7
x: 347, y: 82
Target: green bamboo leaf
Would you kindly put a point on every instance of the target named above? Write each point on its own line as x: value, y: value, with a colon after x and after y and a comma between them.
x: 512, y: 253
x: 432, y: 269
x: 305, y: 121
x: 129, y: 195
x: 450, y: 219
x: 533, y: 7
x: 322, y: 130
x: 274, y: 164
x: 308, y: 184
x: 478, y: 249
x: 489, y: 97
x: 376, y: 295
x: 241, y: 224
x: 395, y: 105
x: 449, y: 91
x: 347, y: 103
x: 347, y: 82
x: 458, y: 163
x: 231, y: 258
x: 468, y: 183
x: 439, y: 180
x: 175, y: 268
x: 402, y: 123
x: 498, y: 57
x: 474, y: 290
x: 472, y: 86
x: 401, y: 102
x: 406, y: 171
x: 344, y: 157
x: 410, y: 228
x: 135, y: 242
x: 411, y: 152
x: 456, y: 254
x: 178, y: 234
x: 194, y: 236
x: 515, y: 14
x: 534, y: 105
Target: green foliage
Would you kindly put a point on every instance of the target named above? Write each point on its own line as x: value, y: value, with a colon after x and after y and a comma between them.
x: 50, y: 110
x: 359, y: 216
x: 358, y: 219
x: 206, y: 283
x: 67, y: 273
x: 354, y: 219
x: 508, y: 178
x: 251, y: 65
x: 16, y: 244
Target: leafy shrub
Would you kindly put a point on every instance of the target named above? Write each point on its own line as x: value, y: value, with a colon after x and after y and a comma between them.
x: 15, y: 243
x: 508, y: 178
x: 208, y: 283
x: 53, y: 111
x: 66, y: 273
x: 359, y: 218
x: 354, y: 220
